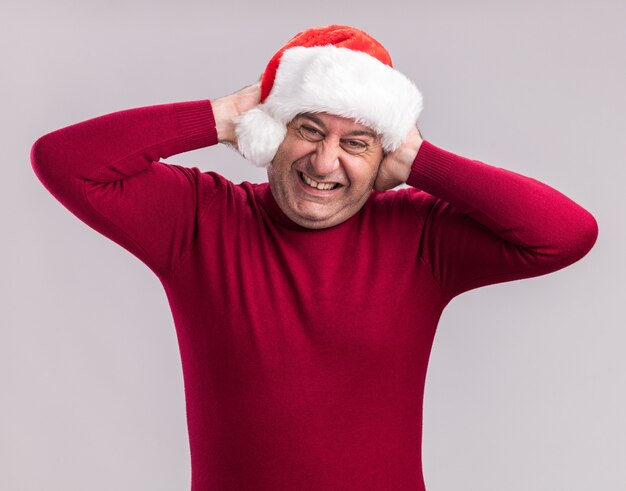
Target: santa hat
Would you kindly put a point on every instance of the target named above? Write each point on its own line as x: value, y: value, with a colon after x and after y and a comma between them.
x: 335, y: 69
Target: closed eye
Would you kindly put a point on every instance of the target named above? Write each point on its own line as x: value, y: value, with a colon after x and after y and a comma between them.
x: 311, y: 131
x: 356, y: 144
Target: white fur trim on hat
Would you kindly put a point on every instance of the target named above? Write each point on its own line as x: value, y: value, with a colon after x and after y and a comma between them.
x: 338, y: 81
x: 259, y: 135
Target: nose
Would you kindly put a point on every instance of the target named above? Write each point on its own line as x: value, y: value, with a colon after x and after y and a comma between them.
x: 325, y: 159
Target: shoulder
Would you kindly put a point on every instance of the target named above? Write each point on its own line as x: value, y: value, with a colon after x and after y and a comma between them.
x: 401, y: 202
x: 212, y: 188
x: 241, y: 197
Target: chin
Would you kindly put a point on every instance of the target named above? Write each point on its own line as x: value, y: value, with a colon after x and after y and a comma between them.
x: 316, y: 225
x: 317, y: 220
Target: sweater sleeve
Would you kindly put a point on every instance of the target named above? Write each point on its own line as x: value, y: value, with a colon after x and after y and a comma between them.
x: 489, y: 225
x: 106, y: 171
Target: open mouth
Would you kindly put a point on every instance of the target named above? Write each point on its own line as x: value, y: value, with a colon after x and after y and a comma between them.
x: 324, y: 186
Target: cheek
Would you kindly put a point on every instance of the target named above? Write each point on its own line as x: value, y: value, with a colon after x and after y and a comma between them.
x: 291, y: 150
x: 364, y: 173
x: 279, y: 164
x: 283, y: 161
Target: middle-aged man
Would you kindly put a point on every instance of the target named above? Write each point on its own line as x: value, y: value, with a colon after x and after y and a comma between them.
x: 305, y: 307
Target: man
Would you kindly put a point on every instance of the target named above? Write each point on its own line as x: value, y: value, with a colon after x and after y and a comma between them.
x: 306, y: 307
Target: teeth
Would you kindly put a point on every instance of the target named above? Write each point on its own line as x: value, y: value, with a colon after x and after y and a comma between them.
x: 318, y: 185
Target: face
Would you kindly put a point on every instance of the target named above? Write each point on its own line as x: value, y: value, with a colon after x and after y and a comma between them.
x: 325, y: 169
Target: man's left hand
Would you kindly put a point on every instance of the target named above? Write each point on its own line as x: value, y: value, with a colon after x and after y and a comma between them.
x: 396, y: 166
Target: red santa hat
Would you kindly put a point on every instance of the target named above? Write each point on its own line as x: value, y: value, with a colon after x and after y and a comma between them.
x: 335, y: 69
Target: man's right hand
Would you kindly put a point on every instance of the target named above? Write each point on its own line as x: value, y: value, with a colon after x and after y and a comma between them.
x: 227, y: 108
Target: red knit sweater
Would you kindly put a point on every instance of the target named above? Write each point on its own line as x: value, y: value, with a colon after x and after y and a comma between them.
x: 304, y: 352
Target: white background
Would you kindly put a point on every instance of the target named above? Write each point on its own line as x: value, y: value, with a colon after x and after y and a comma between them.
x: 526, y: 383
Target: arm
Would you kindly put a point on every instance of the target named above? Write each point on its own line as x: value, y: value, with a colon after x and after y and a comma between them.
x: 107, y: 172
x: 486, y: 224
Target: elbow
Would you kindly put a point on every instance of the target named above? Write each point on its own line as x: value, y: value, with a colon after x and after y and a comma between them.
x: 571, y: 240
x: 39, y: 155
x: 583, y: 238
x: 589, y: 234
x: 46, y: 160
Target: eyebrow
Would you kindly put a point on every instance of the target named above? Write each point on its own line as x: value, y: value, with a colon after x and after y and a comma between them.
x: 317, y: 120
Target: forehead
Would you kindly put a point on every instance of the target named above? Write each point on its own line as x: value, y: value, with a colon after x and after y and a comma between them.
x: 338, y: 124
